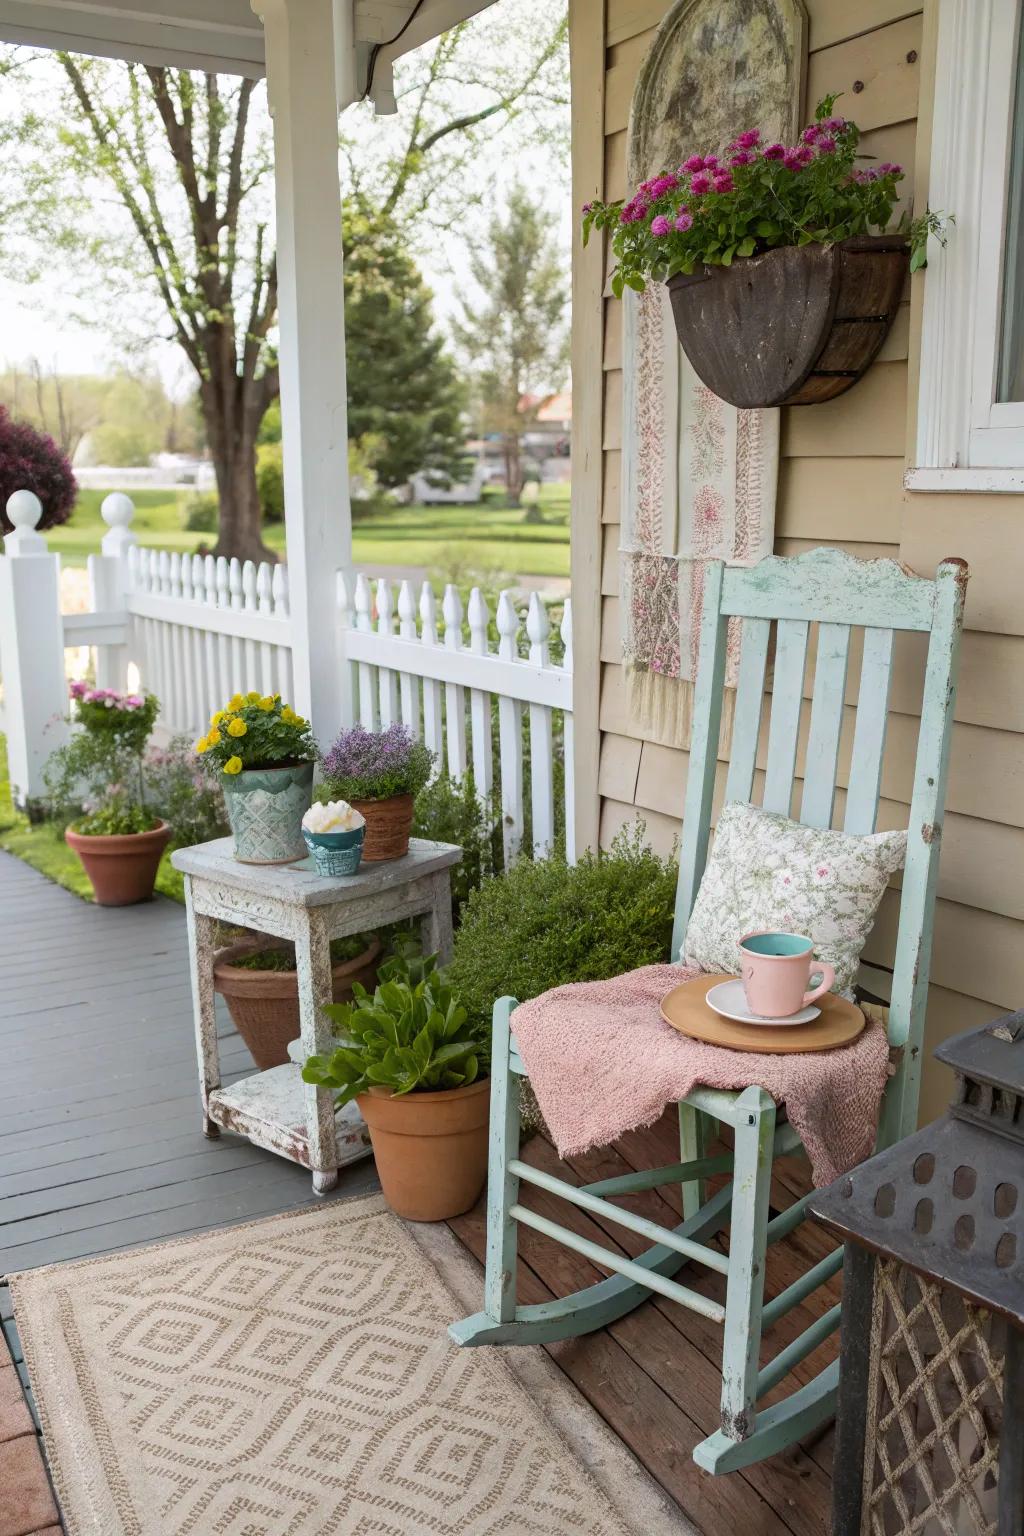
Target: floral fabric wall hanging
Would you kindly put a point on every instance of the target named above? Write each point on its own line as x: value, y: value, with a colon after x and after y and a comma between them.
x: 698, y: 476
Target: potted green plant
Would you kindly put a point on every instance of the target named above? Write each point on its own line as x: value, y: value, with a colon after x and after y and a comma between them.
x: 96, y: 783
x: 262, y: 753
x: 783, y: 274
x: 259, y: 983
x: 379, y: 773
x: 418, y: 1072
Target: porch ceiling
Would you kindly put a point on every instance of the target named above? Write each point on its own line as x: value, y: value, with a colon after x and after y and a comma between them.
x: 223, y: 36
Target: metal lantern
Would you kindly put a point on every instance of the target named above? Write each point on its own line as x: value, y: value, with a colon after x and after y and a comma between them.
x: 930, y: 1431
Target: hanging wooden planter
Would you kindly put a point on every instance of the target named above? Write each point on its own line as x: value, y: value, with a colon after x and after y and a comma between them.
x: 794, y: 326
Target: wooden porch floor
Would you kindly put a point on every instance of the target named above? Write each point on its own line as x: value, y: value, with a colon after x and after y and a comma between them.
x: 101, y: 1149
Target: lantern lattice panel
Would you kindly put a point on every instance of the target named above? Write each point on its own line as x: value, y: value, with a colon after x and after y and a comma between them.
x: 934, y: 1410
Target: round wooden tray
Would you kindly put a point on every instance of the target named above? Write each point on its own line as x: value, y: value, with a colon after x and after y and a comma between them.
x: 685, y: 1009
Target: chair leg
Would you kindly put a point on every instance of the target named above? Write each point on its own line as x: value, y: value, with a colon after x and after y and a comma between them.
x: 502, y: 1186
x: 693, y: 1140
x: 755, y: 1133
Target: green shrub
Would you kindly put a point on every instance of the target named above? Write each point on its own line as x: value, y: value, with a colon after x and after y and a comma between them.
x: 202, y: 514
x: 270, y: 481
x: 547, y: 922
x: 179, y: 791
x: 450, y: 812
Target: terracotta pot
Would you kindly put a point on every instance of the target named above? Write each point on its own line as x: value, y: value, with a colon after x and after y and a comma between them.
x: 264, y: 1005
x: 430, y: 1148
x: 388, y: 825
x: 793, y: 326
x: 122, y: 868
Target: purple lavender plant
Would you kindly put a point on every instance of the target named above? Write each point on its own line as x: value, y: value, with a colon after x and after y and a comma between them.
x: 374, y: 765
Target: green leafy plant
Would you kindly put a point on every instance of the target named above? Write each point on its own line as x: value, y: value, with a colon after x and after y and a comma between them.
x: 546, y: 922
x: 374, y: 765
x: 281, y: 957
x: 708, y: 212
x: 201, y: 514
x: 256, y: 731
x: 410, y: 1035
x: 96, y: 780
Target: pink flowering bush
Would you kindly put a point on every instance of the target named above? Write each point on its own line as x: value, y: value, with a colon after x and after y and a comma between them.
x: 757, y: 196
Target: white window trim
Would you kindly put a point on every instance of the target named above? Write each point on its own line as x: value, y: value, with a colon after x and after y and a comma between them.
x: 965, y: 441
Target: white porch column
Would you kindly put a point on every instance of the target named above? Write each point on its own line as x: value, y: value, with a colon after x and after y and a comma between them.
x: 300, y: 54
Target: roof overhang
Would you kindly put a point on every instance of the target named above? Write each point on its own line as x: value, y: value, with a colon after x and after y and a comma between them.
x: 226, y: 36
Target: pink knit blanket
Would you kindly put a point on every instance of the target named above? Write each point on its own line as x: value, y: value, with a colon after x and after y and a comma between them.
x: 602, y: 1061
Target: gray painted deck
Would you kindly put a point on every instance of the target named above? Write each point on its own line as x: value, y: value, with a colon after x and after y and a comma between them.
x: 101, y: 1143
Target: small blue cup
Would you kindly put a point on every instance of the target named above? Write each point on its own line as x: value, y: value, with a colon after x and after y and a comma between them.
x: 336, y: 853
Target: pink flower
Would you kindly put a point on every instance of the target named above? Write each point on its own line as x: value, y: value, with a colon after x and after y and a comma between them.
x: 748, y: 140
x: 889, y: 168
x: 810, y: 135
x: 662, y: 184
x: 826, y: 145
x: 774, y: 152
x: 700, y: 184
x: 684, y: 220
x: 741, y: 157
x: 78, y: 690
x: 133, y: 701
x: 694, y: 163
x: 804, y: 154
x: 711, y: 162
x: 723, y: 181
x: 587, y: 207
x: 833, y: 124
x: 792, y: 161
x: 660, y: 225
x: 633, y: 212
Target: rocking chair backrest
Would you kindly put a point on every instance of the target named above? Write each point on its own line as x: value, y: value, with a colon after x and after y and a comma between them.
x: 839, y: 593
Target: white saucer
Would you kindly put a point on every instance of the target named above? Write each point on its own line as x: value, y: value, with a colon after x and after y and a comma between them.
x: 729, y: 999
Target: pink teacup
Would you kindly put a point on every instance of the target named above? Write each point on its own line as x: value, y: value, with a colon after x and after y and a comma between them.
x: 776, y: 969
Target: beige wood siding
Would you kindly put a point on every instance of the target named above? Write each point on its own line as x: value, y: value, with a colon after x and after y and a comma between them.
x: 841, y: 483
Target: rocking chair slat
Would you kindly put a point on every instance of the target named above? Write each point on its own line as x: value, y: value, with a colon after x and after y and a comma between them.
x: 803, y: 1345
x: 747, y: 715
x: 826, y: 725
x: 805, y: 1286
x: 869, y: 732
x: 787, y: 697
x: 651, y: 1178
x: 713, y: 1258
x: 613, y: 1261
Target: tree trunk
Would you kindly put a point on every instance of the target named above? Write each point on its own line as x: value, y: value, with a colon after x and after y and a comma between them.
x: 513, y: 468
x: 232, y: 410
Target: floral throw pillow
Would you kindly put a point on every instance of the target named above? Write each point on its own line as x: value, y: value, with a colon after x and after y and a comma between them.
x: 767, y: 872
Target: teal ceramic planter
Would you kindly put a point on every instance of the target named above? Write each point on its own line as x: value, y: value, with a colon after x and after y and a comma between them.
x: 336, y: 853
x: 265, y: 808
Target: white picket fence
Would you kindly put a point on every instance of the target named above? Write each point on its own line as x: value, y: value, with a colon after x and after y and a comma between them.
x: 196, y: 630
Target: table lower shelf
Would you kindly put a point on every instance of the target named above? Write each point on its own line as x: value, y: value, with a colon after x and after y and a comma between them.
x: 269, y: 1110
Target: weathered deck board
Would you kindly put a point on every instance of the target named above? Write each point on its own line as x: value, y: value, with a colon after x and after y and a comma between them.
x: 101, y: 1148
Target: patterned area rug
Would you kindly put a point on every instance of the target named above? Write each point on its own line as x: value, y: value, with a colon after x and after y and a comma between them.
x: 290, y: 1377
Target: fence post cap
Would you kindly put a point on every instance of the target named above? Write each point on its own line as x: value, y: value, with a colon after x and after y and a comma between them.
x: 117, y: 510
x: 24, y: 509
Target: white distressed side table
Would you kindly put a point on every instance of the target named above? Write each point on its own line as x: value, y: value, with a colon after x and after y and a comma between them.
x: 276, y: 1109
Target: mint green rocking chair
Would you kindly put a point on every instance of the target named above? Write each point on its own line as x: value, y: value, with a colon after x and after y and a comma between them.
x: 839, y: 594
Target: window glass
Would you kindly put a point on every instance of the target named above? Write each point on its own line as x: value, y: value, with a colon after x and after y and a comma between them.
x: 1010, y: 382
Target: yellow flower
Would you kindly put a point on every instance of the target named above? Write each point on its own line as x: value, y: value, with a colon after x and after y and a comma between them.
x: 233, y: 765
x: 252, y: 698
x: 236, y: 701
x: 216, y: 719
x: 203, y: 744
x: 288, y: 715
x: 266, y: 704
x: 213, y: 737
x: 237, y: 727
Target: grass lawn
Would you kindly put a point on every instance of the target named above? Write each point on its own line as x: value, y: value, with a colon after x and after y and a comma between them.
x: 457, y: 542
x: 43, y: 847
